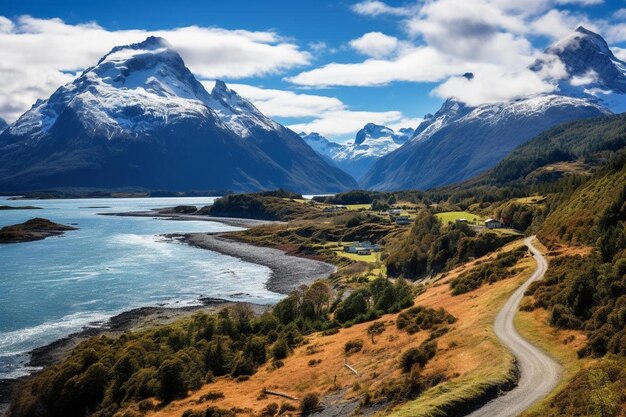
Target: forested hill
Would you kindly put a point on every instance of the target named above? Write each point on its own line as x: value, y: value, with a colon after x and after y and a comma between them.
x: 575, y: 147
x: 593, y: 213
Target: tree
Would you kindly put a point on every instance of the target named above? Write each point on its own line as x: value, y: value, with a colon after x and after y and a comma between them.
x: 171, y: 382
x: 280, y: 349
x: 376, y: 328
x: 604, y: 403
x: 318, y: 296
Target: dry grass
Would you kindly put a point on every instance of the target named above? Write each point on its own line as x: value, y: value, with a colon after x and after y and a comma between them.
x: 469, y: 356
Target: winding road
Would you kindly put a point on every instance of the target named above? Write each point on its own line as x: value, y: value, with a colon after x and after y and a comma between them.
x: 539, y: 373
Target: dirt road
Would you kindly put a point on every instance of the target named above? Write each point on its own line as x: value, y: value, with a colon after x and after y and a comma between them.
x: 539, y: 373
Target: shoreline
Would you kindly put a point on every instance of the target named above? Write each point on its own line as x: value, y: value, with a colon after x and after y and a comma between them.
x: 229, y: 221
x: 288, y: 272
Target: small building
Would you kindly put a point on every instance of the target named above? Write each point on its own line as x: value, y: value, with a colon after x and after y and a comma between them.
x: 350, y: 249
x: 362, y: 248
x: 493, y: 224
x: 461, y: 220
x: 402, y: 220
x: 395, y: 212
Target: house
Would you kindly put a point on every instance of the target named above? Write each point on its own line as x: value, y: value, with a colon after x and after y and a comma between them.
x: 401, y: 220
x: 395, y: 212
x: 492, y: 224
x: 461, y: 220
x: 362, y: 248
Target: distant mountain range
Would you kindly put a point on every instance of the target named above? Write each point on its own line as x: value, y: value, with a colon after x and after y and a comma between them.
x: 459, y: 141
x: 3, y: 124
x: 357, y: 156
x: 140, y: 118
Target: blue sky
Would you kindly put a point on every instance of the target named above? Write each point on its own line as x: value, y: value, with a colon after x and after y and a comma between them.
x: 328, y: 66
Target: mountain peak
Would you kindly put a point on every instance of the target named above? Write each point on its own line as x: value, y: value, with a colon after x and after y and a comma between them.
x: 220, y: 87
x: 592, y: 69
x: 585, y: 31
x: 151, y: 43
x: 581, y: 40
x: 371, y: 131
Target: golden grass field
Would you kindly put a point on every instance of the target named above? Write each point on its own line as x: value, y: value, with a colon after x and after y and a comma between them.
x: 469, y: 355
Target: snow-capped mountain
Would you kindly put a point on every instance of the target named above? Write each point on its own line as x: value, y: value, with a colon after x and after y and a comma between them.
x: 326, y: 148
x: 3, y: 124
x: 460, y: 141
x: 140, y: 118
x: 370, y: 144
x: 237, y: 113
x: 355, y: 157
x: 592, y: 70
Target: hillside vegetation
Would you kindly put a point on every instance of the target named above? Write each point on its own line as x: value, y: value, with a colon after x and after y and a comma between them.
x: 277, y: 205
x: 587, y: 141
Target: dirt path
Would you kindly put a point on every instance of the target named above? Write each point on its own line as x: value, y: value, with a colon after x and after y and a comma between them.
x: 539, y: 373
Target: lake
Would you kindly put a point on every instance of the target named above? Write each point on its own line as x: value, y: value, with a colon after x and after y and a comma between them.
x: 57, y: 286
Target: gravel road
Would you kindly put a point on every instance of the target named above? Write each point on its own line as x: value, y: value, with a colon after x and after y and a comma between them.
x: 539, y: 373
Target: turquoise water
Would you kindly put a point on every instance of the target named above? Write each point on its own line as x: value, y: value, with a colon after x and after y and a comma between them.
x: 57, y: 286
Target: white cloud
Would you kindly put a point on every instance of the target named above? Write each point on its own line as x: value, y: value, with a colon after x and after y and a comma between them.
x: 585, y: 79
x: 375, y: 44
x: 475, y: 31
x: 620, y: 53
x: 378, y: 8
x: 345, y: 123
x: 490, y: 38
x: 557, y: 24
x: 620, y: 14
x: 282, y: 103
x: 615, y: 32
x: 38, y: 55
x: 420, y: 64
x: 492, y: 86
x: 328, y: 116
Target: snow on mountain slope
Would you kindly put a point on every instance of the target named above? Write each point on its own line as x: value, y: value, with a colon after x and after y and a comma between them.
x: 237, y: 113
x: 140, y: 118
x: 3, y: 124
x: 355, y: 157
x: 460, y: 141
x: 132, y: 89
x: 324, y: 147
x: 592, y: 70
x: 473, y: 142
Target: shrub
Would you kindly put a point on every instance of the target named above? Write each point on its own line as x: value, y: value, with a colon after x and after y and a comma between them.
x: 212, y: 396
x: 270, y: 410
x: 418, y: 356
x: 420, y: 318
x: 353, y: 346
x: 309, y: 402
x: 489, y: 272
x: 280, y: 349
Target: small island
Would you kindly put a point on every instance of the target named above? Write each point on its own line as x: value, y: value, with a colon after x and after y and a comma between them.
x: 31, y: 230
